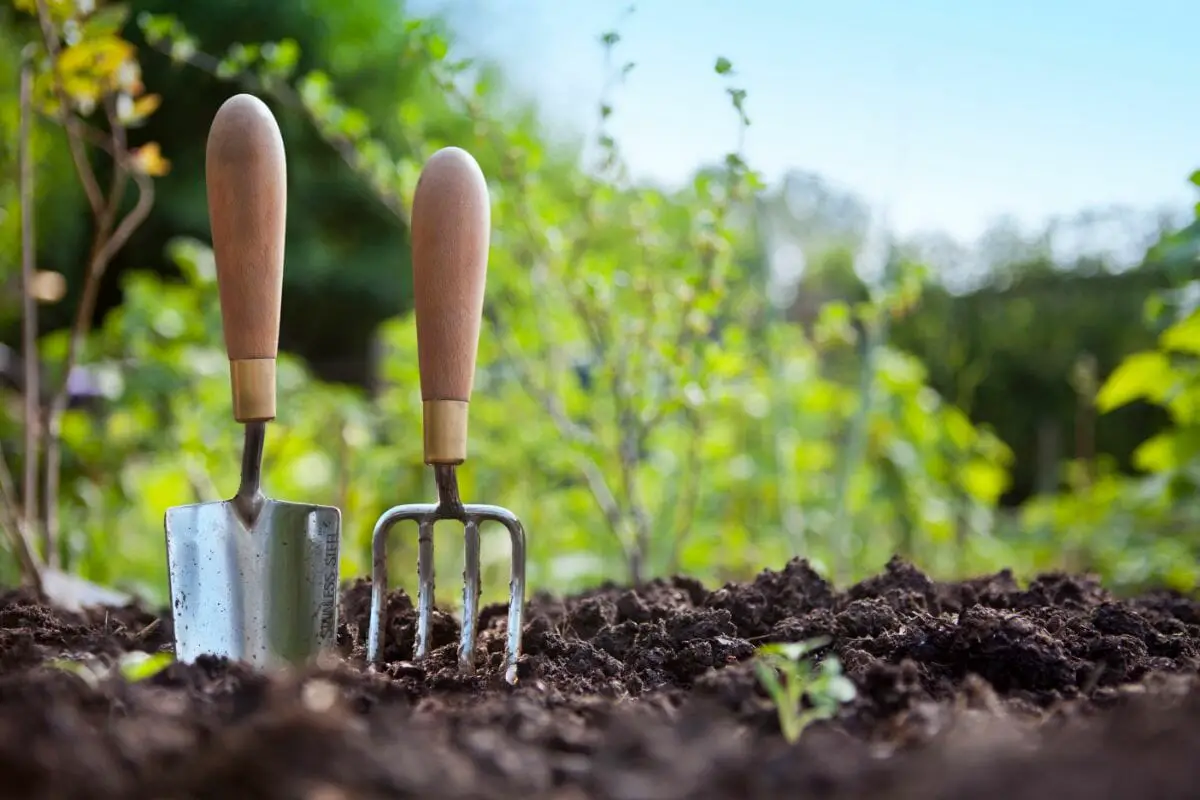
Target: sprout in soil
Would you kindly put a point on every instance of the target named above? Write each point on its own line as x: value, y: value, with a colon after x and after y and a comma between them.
x: 133, y: 666
x: 789, y: 679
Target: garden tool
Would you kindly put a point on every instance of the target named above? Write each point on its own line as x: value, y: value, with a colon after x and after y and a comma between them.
x: 451, y: 217
x: 252, y: 579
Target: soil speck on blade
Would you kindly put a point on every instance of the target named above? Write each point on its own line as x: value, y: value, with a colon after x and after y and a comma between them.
x: 979, y: 689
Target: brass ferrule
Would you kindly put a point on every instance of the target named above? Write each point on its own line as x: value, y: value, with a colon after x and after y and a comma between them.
x: 445, y: 431
x: 253, y: 383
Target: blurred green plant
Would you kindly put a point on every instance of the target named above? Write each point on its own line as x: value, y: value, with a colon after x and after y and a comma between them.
x: 1141, y: 530
x: 790, y: 679
x: 624, y: 334
x: 638, y: 403
x: 132, y: 666
x: 80, y: 74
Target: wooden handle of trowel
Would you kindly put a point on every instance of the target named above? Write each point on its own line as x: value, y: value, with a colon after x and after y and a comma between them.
x: 451, y: 229
x: 247, y: 207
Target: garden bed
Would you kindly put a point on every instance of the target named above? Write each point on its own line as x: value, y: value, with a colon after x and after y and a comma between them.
x: 976, y: 690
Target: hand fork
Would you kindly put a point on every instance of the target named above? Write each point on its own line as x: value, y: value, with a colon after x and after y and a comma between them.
x: 451, y: 217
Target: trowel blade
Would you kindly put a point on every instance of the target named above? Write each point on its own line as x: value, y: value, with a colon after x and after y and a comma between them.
x: 267, y: 594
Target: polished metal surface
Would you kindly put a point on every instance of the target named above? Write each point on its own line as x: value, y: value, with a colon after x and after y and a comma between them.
x: 253, y: 579
x: 472, y: 515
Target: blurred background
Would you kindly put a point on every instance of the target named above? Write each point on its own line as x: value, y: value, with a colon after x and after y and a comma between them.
x: 767, y: 279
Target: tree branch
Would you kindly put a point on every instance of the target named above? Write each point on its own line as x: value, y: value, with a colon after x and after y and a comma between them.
x: 104, y: 247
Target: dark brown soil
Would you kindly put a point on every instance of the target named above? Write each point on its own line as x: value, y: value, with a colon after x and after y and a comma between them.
x: 976, y: 690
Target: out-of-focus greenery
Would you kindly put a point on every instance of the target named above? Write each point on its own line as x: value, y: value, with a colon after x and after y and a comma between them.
x: 641, y: 403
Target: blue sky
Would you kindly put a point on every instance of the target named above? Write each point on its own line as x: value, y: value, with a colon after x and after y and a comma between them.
x: 950, y: 113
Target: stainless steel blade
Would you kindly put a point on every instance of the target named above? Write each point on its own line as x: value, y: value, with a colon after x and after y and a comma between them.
x: 265, y: 594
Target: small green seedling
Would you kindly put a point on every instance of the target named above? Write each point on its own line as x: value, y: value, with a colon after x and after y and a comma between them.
x: 789, y: 678
x: 133, y: 666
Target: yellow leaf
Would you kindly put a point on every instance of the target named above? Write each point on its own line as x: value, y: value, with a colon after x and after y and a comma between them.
x: 104, y: 54
x: 94, y: 67
x: 146, y: 105
x: 131, y: 111
x: 148, y: 159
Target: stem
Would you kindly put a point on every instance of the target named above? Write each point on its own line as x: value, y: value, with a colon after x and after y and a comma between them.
x: 104, y: 247
x: 852, y: 456
x: 31, y: 571
x: 29, y: 322
x: 18, y: 533
x: 690, y: 494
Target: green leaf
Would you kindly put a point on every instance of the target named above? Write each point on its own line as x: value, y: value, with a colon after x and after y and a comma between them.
x: 1156, y: 454
x: 1195, y: 178
x: 725, y: 66
x: 1145, y: 375
x: 438, y: 47
x: 1168, y: 451
x: 794, y: 651
x: 282, y: 56
x: 107, y: 21
x: 1183, y: 336
x: 984, y: 480
x: 137, y: 666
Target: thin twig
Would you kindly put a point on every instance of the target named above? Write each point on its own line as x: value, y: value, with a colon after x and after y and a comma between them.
x: 19, y: 534
x: 104, y: 251
x: 30, y: 567
x: 29, y: 322
x: 686, y: 508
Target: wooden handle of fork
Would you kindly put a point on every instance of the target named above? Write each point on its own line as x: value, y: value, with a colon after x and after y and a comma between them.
x: 451, y: 230
x: 246, y: 174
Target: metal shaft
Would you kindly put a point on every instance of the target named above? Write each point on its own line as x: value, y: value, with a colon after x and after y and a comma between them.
x: 249, y: 498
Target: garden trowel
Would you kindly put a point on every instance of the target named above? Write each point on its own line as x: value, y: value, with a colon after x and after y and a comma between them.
x: 252, y: 579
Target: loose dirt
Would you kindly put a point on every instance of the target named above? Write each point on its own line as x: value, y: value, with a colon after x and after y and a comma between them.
x: 980, y: 689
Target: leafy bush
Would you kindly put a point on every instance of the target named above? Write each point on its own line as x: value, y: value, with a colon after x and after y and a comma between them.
x: 639, y: 404
x: 1142, y: 530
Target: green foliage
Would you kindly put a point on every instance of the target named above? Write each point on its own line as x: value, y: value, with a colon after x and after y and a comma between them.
x: 638, y: 402
x: 1141, y: 529
x: 635, y: 405
x: 789, y: 679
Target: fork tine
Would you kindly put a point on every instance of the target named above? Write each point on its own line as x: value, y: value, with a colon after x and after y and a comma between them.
x: 471, y: 588
x: 472, y: 516
x: 516, y: 589
x: 425, y: 587
x: 379, y: 549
